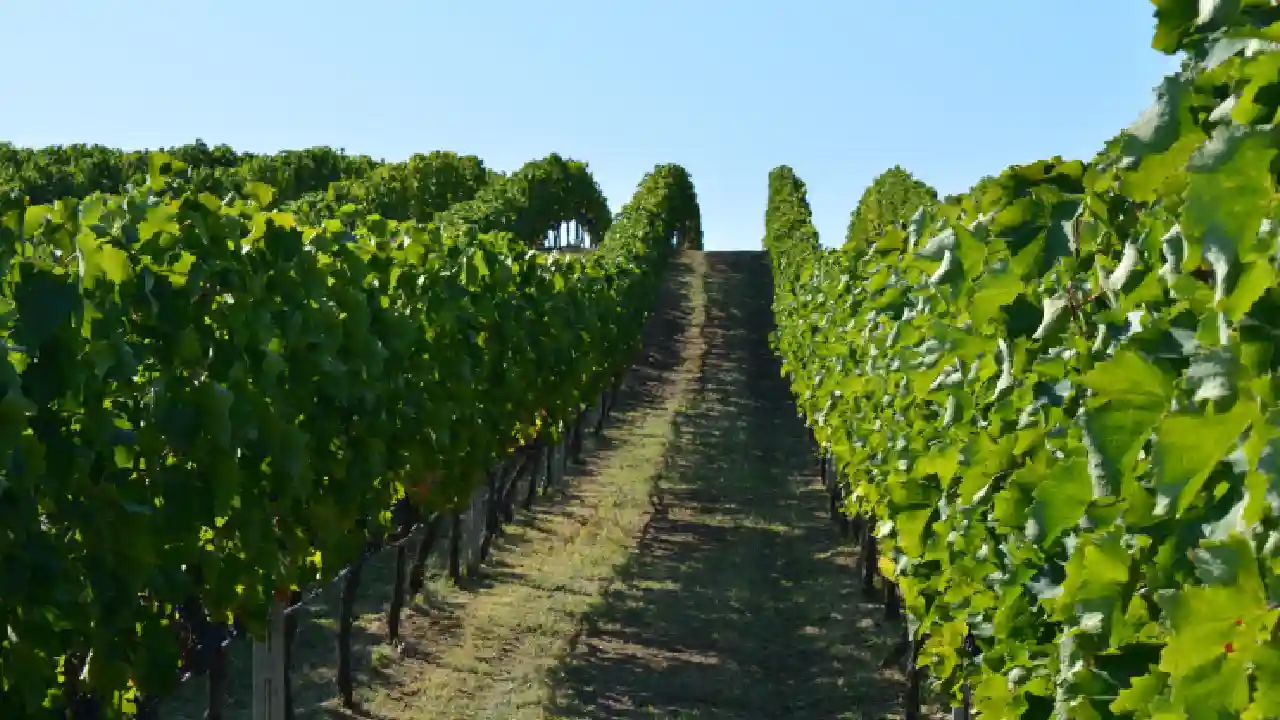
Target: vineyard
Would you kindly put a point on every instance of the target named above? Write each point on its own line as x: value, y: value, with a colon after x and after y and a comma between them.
x: 1041, y: 415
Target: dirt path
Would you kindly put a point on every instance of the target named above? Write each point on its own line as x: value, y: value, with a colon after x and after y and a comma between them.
x: 738, y: 602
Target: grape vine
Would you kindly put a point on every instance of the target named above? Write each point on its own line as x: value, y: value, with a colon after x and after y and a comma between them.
x: 1058, y: 397
x: 205, y: 396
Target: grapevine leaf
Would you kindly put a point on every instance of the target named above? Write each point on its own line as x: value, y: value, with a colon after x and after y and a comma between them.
x: 1189, y: 447
x: 1129, y: 397
x: 1060, y: 501
x: 1158, y: 127
x: 1226, y: 204
x: 1258, y: 277
x: 995, y: 292
x: 1141, y: 694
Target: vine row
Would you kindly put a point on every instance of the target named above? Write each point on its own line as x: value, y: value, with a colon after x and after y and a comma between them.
x: 207, y: 399
x: 1054, y: 401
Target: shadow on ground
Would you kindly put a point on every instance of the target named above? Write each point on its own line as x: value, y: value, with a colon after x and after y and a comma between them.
x: 738, y: 601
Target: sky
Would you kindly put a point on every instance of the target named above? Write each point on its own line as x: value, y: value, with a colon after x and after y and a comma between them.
x: 838, y: 89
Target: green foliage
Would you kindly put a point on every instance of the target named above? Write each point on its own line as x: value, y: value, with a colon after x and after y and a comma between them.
x: 418, y: 189
x: 890, y: 199
x: 203, y: 396
x: 1058, y: 396
x: 315, y: 184
x: 533, y: 200
x: 320, y: 184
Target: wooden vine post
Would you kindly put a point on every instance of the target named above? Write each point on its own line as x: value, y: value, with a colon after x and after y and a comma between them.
x: 269, y: 667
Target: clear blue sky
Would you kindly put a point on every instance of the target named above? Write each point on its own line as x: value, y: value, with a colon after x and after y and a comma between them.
x: 838, y: 89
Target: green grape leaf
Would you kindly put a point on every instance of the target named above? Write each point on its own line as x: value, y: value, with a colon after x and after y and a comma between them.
x: 1189, y: 447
